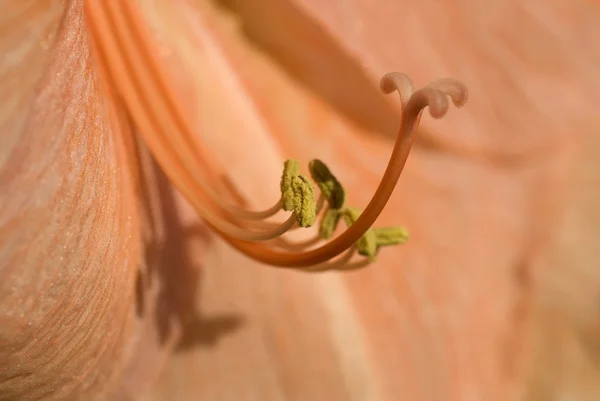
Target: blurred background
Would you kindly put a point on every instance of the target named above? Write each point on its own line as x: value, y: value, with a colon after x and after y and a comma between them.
x: 115, y: 290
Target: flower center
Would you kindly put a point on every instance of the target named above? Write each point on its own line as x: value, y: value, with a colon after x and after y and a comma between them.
x: 129, y: 60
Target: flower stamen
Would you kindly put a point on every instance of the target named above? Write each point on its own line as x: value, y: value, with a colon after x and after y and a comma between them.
x: 132, y: 63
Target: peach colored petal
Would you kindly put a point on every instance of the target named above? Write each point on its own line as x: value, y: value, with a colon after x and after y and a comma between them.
x: 73, y: 243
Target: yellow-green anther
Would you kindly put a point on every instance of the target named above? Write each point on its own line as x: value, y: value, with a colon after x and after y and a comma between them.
x: 350, y: 215
x: 329, y: 223
x: 391, y: 235
x: 303, y: 199
x: 291, y: 168
x: 298, y: 194
x: 330, y: 187
x: 373, y: 238
x: 367, y: 243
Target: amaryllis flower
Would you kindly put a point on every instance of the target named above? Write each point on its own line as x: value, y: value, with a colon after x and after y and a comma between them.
x: 142, y: 236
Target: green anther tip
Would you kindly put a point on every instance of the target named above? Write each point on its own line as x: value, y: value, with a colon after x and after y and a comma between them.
x: 350, y: 215
x: 330, y: 187
x: 304, y: 204
x: 367, y: 244
x: 329, y: 223
x: 291, y: 168
x: 391, y: 235
x: 374, y: 238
